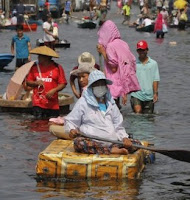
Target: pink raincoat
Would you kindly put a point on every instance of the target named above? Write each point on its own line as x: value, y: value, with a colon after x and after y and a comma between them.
x: 120, y: 56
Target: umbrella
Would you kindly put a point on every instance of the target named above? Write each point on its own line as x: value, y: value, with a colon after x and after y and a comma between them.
x: 180, y: 4
x: 15, y: 87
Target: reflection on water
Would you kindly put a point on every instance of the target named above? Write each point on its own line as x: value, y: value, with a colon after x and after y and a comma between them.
x: 140, y: 125
x: 91, y: 189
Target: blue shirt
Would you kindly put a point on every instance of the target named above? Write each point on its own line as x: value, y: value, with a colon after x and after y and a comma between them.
x: 146, y: 74
x: 21, y: 46
x: 68, y: 6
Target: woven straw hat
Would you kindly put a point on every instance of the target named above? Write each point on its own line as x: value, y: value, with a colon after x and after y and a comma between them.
x: 44, y: 50
x: 86, y: 64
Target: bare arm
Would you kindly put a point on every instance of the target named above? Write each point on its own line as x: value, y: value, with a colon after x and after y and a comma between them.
x: 155, y: 91
x: 73, y: 87
x: 49, y: 33
x: 54, y: 90
x: 29, y: 49
x: 12, y: 48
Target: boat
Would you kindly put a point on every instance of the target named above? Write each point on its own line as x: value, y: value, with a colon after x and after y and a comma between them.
x: 5, y: 59
x: 30, y: 27
x: 8, y: 27
x: 86, y: 24
x: 58, y: 44
x: 26, y: 27
x: 38, y: 22
x: 60, y: 161
x: 25, y: 106
x: 149, y: 28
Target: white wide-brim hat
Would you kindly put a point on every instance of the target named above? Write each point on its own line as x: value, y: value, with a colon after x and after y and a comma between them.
x: 83, y: 68
x: 86, y: 63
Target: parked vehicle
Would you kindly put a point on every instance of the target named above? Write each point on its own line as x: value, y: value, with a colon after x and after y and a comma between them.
x: 56, y: 7
x: 30, y: 7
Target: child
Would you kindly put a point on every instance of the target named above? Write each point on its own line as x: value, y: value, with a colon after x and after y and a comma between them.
x: 126, y: 12
x: 23, y: 46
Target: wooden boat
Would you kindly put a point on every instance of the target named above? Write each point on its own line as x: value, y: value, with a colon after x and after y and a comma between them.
x: 87, y: 24
x: 58, y: 44
x: 59, y: 160
x: 26, y: 27
x: 149, y: 28
x: 30, y: 27
x: 26, y: 105
x: 5, y: 59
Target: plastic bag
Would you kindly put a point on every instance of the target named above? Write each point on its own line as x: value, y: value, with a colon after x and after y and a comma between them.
x: 164, y: 28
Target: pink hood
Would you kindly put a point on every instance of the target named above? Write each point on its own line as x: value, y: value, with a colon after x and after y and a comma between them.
x: 120, y: 56
x: 105, y: 36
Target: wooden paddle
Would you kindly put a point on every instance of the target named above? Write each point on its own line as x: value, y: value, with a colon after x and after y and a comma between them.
x: 182, y: 155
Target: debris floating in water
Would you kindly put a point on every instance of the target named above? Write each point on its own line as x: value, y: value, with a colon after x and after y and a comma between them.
x: 173, y: 43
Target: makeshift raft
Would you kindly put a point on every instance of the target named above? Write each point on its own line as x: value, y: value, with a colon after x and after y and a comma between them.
x: 60, y: 161
x: 25, y: 106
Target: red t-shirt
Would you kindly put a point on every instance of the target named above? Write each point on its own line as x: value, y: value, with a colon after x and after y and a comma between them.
x: 52, y: 76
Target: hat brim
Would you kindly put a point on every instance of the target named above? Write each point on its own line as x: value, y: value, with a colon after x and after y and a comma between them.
x: 86, y: 69
x: 108, y: 82
x: 44, y: 50
x: 142, y: 48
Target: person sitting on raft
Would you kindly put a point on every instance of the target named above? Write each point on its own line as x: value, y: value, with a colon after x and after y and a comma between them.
x: 96, y: 114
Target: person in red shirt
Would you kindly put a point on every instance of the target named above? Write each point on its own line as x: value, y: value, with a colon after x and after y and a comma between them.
x: 46, y: 78
x: 47, y: 4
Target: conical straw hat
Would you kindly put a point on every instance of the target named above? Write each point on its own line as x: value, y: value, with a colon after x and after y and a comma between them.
x: 44, y: 50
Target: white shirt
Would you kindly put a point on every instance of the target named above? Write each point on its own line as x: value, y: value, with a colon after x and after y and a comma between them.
x: 14, y: 20
x: 141, y: 2
x: 90, y: 121
x: 49, y: 27
x: 147, y: 22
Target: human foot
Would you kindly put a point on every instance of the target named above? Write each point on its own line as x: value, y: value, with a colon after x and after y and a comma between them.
x: 116, y: 150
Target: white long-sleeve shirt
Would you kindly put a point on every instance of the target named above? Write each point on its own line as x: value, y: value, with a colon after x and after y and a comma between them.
x: 91, y: 121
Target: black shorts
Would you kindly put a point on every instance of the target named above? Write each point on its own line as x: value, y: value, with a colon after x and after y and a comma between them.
x: 147, y: 106
x: 67, y: 12
x: 41, y: 113
x: 21, y: 61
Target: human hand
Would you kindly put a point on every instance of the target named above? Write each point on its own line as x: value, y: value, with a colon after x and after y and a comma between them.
x: 77, y: 95
x: 73, y: 133
x: 100, y: 48
x: 40, y: 83
x: 155, y: 98
x: 127, y: 143
x: 50, y: 93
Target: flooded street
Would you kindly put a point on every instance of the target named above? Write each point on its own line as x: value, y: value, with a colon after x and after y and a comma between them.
x: 22, y: 139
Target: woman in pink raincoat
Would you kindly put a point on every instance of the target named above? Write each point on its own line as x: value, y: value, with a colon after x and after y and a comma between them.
x: 120, y: 63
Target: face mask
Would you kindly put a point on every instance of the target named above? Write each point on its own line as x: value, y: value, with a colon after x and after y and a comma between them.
x: 99, y: 91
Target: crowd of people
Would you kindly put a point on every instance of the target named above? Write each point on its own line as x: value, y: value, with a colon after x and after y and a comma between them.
x: 158, y: 14
x: 99, y: 93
